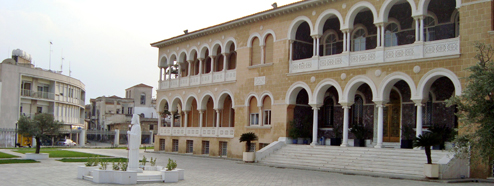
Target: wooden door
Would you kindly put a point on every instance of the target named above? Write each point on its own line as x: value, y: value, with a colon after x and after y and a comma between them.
x: 392, y: 119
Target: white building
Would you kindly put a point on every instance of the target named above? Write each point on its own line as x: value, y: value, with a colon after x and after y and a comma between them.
x: 27, y: 90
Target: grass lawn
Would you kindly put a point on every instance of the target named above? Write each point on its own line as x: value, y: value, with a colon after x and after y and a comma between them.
x: 85, y: 159
x: 5, y: 155
x: 57, y: 153
x: 17, y: 161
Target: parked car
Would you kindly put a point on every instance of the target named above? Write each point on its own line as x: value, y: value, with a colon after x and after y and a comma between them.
x: 66, y: 142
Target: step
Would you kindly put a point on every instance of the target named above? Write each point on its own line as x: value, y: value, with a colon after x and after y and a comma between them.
x: 385, y: 165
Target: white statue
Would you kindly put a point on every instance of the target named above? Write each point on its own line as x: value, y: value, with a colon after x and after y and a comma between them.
x: 134, y: 144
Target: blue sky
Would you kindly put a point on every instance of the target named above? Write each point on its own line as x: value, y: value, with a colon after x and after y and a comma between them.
x: 107, y: 42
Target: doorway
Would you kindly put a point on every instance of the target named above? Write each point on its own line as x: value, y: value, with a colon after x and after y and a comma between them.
x: 392, y: 118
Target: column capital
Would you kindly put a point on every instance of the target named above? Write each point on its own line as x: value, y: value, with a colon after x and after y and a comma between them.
x: 190, y: 60
x: 315, y: 106
x: 380, y: 24
x: 418, y: 102
x: 201, y: 111
x: 316, y: 36
x: 418, y: 17
x: 346, y: 104
x: 380, y: 102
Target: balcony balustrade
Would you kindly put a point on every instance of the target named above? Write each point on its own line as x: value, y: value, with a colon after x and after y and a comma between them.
x: 202, y: 79
x: 416, y: 51
x: 222, y: 132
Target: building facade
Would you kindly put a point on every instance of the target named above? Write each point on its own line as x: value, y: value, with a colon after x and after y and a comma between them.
x: 27, y: 90
x: 326, y: 65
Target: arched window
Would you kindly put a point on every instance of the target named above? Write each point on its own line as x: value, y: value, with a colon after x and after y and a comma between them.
x: 207, y: 65
x: 143, y: 99
x: 359, y: 40
x: 328, y: 112
x: 357, y: 110
x: 266, y: 107
x: 457, y: 23
x: 255, y: 52
x: 429, y: 28
x: 218, y: 61
x: 232, y: 61
x: 330, y: 41
x: 390, y: 38
x: 269, y: 49
x: 253, y: 112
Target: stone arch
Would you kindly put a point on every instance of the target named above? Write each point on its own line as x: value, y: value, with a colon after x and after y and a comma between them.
x: 269, y: 31
x: 292, y: 31
x: 321, y: 89
x: 431, y: 76
x: 319, y: 26
x: 251, y: 37
x: 173, y: 57
x: 202, y: 53
x: 228, y: 43
x: 192, y: 52
x: 355, y: 9
x: 291, y: 94
x: 222, y: 97
x: 423, y: 4
x: 352, y: 86
x: 216, y: 45
x: 388, y: 4
x: 202, y: 103
x: 188, y: 101
x: 182, y: 57
x: 247, y: 101
x: 173, y: 106
x: 161, y: 104
x: 267, y: 93
x: 389, y: 81
x: 163, y: 62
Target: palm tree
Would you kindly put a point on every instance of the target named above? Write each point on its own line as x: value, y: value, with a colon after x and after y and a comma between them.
x: 427, y: 140
x: 248, y: 137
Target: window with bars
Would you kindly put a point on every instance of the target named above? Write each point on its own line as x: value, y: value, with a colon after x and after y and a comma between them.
x: 223, y: 148
x: 267, y: 117
x: 252, y: 147
x: 262, y: 145
x: 205, y: 147
x: 175, y: 145
x: 162, y: 144
x: 190, y: 146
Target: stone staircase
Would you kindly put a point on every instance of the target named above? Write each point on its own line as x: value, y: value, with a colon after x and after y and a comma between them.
x: 404, y: 163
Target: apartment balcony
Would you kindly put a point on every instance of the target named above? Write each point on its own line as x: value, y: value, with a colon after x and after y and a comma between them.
x: 221, y: 132
x: 37, y: 94
x: 198, y: 80
x: 404, y: 53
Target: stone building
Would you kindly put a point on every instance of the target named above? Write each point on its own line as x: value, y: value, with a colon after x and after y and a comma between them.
x: 386, y: 65
x: 28, y: 90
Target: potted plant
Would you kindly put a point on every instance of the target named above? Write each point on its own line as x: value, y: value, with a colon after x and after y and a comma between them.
x: 444, y: 133
x: 293, y: 132
x: 427, y: 140
x: 336, y: 139
x: 248, y: 156
x: 360, y: 133
x: 407, y: 135
x: 170, y: 175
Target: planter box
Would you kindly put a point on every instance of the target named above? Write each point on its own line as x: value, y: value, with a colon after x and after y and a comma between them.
x: 170, y: 176
x: 85, y: 171
x: 150, y: 168
x: 34, y: 156
x: 359, y: 142
x: 181, y: 174
x: 406, y: 144
x: 249, y: 157
x: 335, y: 141
x: 102, y: 176
x: 159, y: 168
x: 124, y: 177
x: 431, y: 170
x: 327, y: 141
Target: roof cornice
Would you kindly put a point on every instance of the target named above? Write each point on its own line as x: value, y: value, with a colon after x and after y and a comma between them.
x: 297, y: 6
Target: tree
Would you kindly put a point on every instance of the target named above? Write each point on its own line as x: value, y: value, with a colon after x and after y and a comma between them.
x: 476, y: 107
x: 41, y: 126
x: 426, y: 140
x: 248, y: 137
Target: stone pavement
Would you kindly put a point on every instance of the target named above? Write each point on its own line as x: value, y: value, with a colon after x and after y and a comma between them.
x: 198, y: 171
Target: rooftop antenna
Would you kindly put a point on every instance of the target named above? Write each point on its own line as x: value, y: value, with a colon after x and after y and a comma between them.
x: 61, y: 65
x: 49, y: 61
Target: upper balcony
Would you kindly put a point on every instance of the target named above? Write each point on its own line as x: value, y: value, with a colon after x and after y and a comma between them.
x: 197, y: 80
x: 382, y: 55
x: 222, y: 132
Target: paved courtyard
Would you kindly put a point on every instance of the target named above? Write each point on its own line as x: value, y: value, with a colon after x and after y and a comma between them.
x: 199, y: 171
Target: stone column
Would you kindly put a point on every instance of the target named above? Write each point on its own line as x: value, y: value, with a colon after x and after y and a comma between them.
x: 161, y: 74
x: 314, y: 43
x: 151, y: 137
x: 225, y: 61
x: 201, y: 112
x: 315, y: 125
x: 217, y: 121
x: 116, y: 141
x: 418, y: 129
x: 344, y: 41
x: 263, y: 46
x: 186, y: 121
x: 190, y: 66
x: 379, y: 35
x: 200, y: 66
x: 172, y: 122
x: 261, y: 121
x: 417, y: 29
x: 291, y: 50
x: 212, y: 64
x: 348, y: 41
x: 318, y: 43
x: 345, y: 125
x: 421, y: 28
x: 82, y: 138
x: 379, y: 125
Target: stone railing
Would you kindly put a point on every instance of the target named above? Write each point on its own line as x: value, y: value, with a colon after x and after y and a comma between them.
x: 222, y: 132
x: 410, y: 52
x: 202, y: 79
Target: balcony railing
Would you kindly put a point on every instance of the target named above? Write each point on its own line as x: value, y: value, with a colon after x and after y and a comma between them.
x: 37, y: 94
x: 416, y: 51
x: 222, y: 132
x: 202, y: 79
